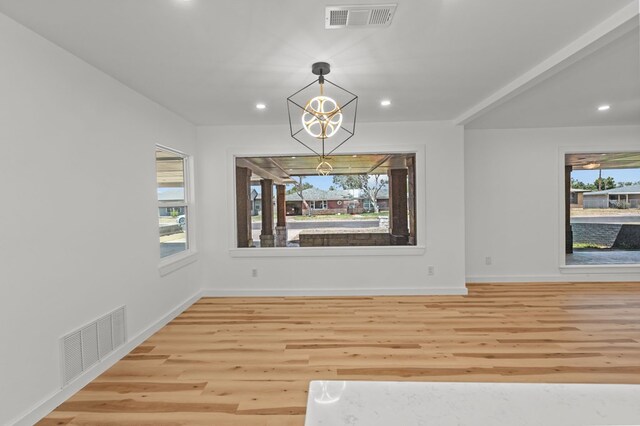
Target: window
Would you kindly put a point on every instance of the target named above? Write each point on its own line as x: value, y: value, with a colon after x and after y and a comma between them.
x: 350, y: 207
x: 173, y: 201
x: 602, y: 208
x: 318, y: 205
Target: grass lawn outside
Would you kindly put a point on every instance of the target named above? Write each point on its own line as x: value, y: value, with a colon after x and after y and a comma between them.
x: 322, y: 217
x: 167, y: 220
x: 578, y: 212
x: 589, y: 246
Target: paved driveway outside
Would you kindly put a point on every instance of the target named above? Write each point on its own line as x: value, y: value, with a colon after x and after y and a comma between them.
x: 606, y: 219
x: 316, y: 224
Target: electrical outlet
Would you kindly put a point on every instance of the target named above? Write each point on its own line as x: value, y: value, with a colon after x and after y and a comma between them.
x: 254, y: 273
x: 488, y: 260
x: 431, y: 270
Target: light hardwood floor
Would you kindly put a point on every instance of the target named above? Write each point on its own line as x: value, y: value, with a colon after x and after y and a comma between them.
x: 248, y: 361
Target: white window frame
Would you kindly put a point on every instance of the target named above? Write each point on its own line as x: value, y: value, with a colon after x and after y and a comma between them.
x: 232, y: 154
x: 313, y: 205
x: 176, y: 261
x: 627, y: 268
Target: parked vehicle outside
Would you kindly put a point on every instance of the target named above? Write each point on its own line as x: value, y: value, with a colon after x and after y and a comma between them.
x: 181, y: 220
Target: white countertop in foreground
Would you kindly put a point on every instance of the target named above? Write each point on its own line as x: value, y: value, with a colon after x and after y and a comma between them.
x: 353, y: 403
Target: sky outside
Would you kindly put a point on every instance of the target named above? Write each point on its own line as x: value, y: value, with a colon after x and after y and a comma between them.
x: 618, y: 175
x: 324, y: 182
x: 586, y: 176
x: 320, y: 182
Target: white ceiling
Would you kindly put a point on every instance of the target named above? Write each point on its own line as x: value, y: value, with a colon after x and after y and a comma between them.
x: 609, y: 76
x: 212, y: 61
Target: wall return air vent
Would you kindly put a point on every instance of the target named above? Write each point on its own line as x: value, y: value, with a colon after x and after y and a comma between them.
x: 83, y: 348
x: 360, y: 16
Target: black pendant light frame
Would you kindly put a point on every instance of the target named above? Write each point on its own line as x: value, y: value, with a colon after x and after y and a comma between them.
x: 321, y: 69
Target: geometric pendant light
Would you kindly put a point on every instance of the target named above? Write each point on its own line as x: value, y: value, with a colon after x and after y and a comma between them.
x: 322, y: 117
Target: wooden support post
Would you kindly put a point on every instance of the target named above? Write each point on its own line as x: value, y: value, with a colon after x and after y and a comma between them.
x: 567, y: 210
x: 243, y: 206
x: 411, y: 178
x: 398, y: 223
x: 282, y: 206
x: 281, y: 211
x: 266, y: 236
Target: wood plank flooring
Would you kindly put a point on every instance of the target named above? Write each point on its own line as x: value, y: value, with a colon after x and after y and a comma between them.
x: 248, y: 361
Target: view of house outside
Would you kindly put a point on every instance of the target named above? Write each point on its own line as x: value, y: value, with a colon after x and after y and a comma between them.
x: 335, y: 204
x: 366, y: 200
x: 605, y: 216
x: 172, y: 196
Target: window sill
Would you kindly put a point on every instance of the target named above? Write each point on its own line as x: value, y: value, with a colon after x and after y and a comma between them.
x: 600, y: 269
x: 177, y: 261
x: 327, y: 251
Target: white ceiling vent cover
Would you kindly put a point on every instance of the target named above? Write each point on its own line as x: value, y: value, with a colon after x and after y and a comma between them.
x: 379, y: 15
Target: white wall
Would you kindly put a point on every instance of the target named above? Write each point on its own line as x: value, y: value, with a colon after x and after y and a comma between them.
x: 441, y: 221
x: 79, y: 218
x: 514, y: 193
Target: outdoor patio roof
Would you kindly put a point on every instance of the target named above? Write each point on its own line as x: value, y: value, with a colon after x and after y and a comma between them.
x: 612, y: 160
x: 281, y: 169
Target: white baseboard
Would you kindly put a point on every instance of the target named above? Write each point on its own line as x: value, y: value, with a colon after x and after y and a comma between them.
x: 565, y: 278
x: 515, y: 278
x: 405, y: 291
x: 49, y: 403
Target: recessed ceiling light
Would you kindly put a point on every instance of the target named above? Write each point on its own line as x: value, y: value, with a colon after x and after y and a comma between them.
x: 261, y: 106
x: 604, y: 107
x: 385, y: 102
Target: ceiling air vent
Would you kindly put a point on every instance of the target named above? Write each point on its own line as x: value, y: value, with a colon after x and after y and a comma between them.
x: 359, y: 16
